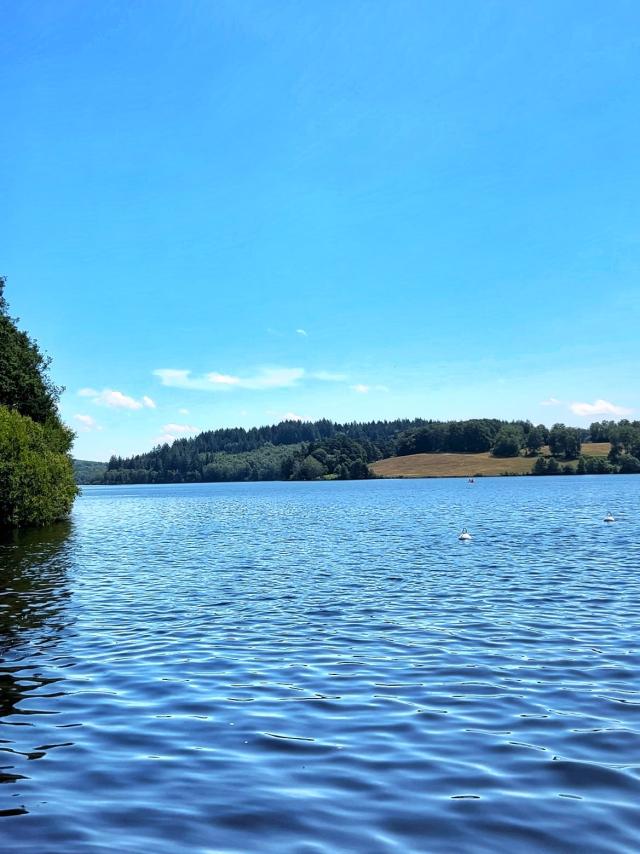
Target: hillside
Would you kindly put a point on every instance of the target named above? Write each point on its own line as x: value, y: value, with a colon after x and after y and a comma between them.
x: 304, y: 450
x: 469, y: 465
x: 88, y: 471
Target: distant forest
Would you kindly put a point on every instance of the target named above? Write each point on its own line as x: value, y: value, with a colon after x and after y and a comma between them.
x: 87, y: 471
x: 300, y: 450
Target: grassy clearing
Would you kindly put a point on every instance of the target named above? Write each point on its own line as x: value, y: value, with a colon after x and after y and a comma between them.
x: 467, y: 465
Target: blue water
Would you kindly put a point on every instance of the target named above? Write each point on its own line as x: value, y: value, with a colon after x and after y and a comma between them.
x: 323, y: 667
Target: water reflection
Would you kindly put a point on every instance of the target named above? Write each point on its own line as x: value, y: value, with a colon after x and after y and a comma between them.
x: 34, y: 598
x: 34, y: 587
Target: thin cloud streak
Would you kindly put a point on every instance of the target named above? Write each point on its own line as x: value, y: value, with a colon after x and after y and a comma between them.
x: 171, y: 432
x: 329, y: 376
x: 361, y: 388
x: 87, y: 423
x: 264, y: 378
x: 116, y: 399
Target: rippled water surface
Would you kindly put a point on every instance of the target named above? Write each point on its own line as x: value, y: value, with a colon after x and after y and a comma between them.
x: 323, y: 667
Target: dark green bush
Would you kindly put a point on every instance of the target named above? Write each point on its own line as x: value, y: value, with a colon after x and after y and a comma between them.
x: 37, y: 486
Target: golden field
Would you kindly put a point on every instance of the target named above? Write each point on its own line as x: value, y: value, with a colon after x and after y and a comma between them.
x: 468, y: 465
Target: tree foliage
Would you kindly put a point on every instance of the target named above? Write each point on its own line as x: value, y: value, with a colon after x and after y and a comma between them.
x: 272, y: 452
x: 24, y: 382
x: 297, y: 450
x: 88, y: 471
x: 565, y: 442
x: 540, y: 466
x: 338, y: 457
x: 36, y: 476
x: 535, y: 439
x: 509, y: 441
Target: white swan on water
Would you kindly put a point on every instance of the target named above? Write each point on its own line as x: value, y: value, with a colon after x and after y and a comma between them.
x: 465, y: 535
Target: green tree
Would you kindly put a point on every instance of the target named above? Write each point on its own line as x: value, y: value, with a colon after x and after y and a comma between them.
x: 37, y: 486
x: 24, y: 383
x: 540, y: 466
x: 553, y: 466
x: 629, y: 464
x: 557, y: 439
x: 477, y: 436
x: 572, y: 444
x: 534, y: 441
x: 544, y: 433
x: 310, y: 469
x: 36, y: 475
x: 359, y: 470
x: 508, y: 442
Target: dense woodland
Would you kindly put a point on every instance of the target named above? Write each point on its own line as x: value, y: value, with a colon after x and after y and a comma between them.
x: 297, y: 450
x: 36, y: 477
x: 623, y: 457
x: 291, y: 450
x: 88, y: 471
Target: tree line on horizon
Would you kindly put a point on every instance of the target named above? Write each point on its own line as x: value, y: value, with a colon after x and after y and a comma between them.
x: 302, y: 450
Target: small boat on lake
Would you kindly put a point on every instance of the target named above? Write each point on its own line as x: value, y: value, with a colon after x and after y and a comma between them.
x: 464, y: 535
x: 609, y: 517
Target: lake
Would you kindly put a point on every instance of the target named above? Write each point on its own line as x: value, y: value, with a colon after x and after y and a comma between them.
x: 322, y: 667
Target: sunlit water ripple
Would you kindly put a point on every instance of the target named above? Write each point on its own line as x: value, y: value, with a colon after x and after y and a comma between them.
x: 323, y: 667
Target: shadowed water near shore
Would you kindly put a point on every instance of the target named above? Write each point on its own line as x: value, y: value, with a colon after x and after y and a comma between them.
x: 323, y: 667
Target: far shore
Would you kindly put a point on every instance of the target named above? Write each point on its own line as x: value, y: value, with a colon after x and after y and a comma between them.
x: 470, y: 465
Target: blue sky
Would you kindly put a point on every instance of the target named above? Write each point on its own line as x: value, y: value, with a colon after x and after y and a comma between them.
x: 226, y: 213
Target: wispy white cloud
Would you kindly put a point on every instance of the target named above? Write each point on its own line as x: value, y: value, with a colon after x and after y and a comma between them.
x: 180, y: 428
x: 171, y: 432
x: 293, y: 416
x: 287, y: 416
x: 361, y: 388
x: 551, y: 401
x: 86, y: 423
x: 302, y: 332
x: 264, y: 378
x: 183, y: 411
x: 329, y: 376
x: 599, y: 407
x: 222, y: 379
x: 116, y: 399
x: 181, y: 379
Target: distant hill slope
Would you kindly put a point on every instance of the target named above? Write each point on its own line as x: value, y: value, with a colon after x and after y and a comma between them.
x: 290, y: 450
x: 468, y: 465
x: 88, y: 471
x: 303, y: 450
